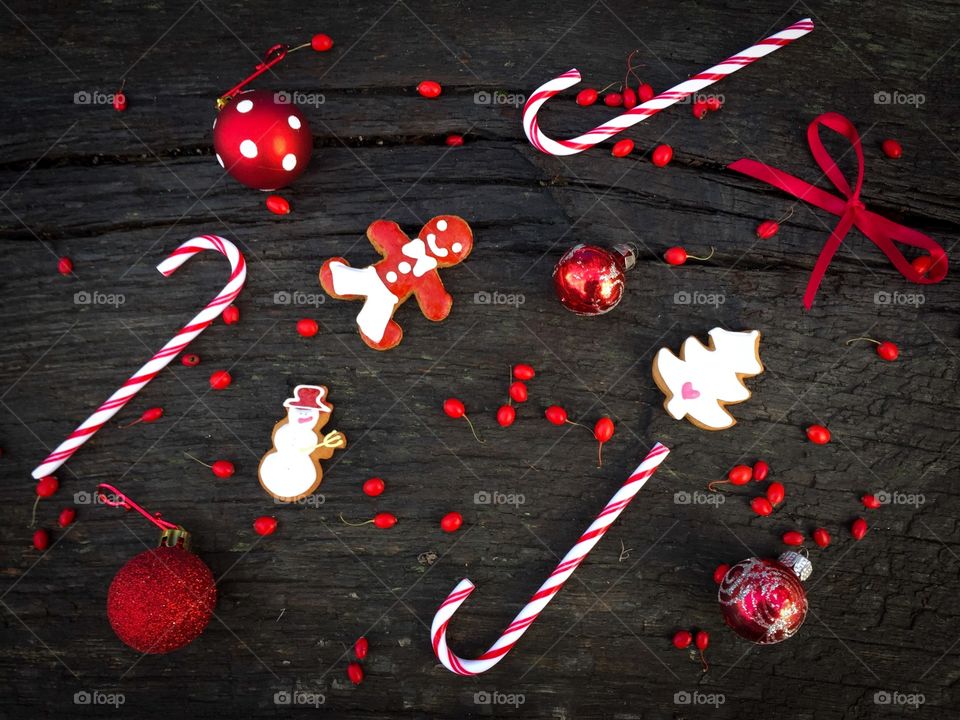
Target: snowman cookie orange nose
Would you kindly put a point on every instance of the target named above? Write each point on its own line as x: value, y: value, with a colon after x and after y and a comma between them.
x: 290, y: 471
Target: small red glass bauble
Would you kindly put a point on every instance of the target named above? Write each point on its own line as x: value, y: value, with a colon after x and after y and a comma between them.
x: 262, y: 139
x: 589, y: 280
x: 764, y: 600
x: 161, y: 600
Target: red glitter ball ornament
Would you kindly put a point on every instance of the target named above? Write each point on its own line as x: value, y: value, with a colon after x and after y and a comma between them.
x: 589, y: 280
x: 763, y: 600
x: 262, y: 139
x: 161, y: 600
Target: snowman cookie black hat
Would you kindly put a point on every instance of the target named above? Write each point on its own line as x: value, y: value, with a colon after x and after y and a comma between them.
x: 309, y: 397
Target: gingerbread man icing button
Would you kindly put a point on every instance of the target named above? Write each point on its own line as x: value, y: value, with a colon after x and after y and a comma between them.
x: 409, y: 267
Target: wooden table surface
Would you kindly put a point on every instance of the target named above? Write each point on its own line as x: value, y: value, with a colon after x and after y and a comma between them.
x: 117, y: 192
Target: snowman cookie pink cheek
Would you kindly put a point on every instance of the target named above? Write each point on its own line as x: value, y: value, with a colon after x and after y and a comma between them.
x: 409, y: 267
x: 702, y: 381
x: 291, y: 469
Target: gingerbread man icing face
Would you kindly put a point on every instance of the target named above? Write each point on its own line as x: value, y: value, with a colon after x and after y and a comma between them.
x: 409, y: 267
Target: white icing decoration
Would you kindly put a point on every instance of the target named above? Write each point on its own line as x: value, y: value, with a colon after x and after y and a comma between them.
x: 392, y: 276
x: 706, y: 378
x: 219, y: 159
x: 441, y: 225
x: 380, y: 302
x: 244, y: 106
x: 417, y: 250
x: 248, y: 148
x: 404, y: 267
x: 289, y: 162
x: 294, y: 122
x: 289, y: 471
x: 432, y: 242
x: 456, y: 247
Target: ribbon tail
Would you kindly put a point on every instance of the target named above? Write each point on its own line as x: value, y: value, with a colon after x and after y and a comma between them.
x: 800, y: 189
x: 825, y: 257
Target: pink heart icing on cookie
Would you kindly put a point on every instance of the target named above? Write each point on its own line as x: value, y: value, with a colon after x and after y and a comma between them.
x: 688, y: 392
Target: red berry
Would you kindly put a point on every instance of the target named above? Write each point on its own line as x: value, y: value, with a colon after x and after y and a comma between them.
x: 713, y: 103
x: 702, y: 640
x: 223, y: 468
x: 384, y: 520
x: 307, y: 327
x: 892, y: 149
x: 622, y: 148
x: 586, y: 97
x: 699, y: 109
x: 454, y: 408
x: 720, y: 573
x: 220, y: 380
x: 451, y: 522
x: 506, y: 414
x: 922, y: 264
x: 888, y: 351
x: 373, y: 487
x: 613, y: 99
x: 265, y: 525
x: 821, y: 537
x: 761, y: 506
x: 603, y: 429
x: 662, y: 154
x: 454, y: 140
x: 429, y: 89
x: 767, y: 229
x: 67, y: 516
x: 675, y: 256
x: 119, y: 101
x: 740, y: 474
x: 870, y: 502
x: 760, y: 470
x: 190, y: 359
x: 775, y: 493
x: 818, y: 434
x: 556, y: 414
x: 792, y: 537
x: 41, y: 539
x: 682, y: 639
x: 47, y: 486
x: 151, y: 414
x: 355, y: 673
x: 522, y: 371
x: 645, y: 92
x: 858, y: 528
x: 231, y: 314
x: 360, y: 648
x: 321, y: 42
x: 518, y: 392
x: 278, y: 205
x: 629, y: 98
x: 64, y: 266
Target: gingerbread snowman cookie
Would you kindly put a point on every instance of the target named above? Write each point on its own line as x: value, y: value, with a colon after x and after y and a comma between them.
x: 701, y: 382
x: 409, y: 267
x: 291, y: 470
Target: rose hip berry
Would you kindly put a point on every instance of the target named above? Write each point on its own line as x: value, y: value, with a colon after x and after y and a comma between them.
x: 720, y: 572
x: 190, y: 359
x: 587, y: 97
x: 775, y: 493
x: 523, y: 371
x: 682, y: 639
x: 451, y: 522
x: 265, y: 525
x: 760, y: 470
x: 506, y: 414
x: 373, y: 487
x: 429, y: 89
x: 622, y: 148
x: 892, y: 149
x: 761, y: 506
x: 821, y: 537
x: 307, y: 327
x: 793, y: 537
x: 662, y: 155
x: 220, y: 380
x: 818, y: 434
x: 858, y: 528
x: 231, y: 314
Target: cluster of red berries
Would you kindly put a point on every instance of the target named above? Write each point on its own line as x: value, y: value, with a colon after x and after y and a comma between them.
x: 701, y: 640
x: 520, y: 375
x: 354, y: 668
x: 47, y: 487
x: 602, y: 429
x: 374, y: 487
x: 743, y: 474
x: 701, y: 107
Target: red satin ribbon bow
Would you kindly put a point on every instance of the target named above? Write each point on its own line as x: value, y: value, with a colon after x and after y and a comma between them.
x: 883, y: 232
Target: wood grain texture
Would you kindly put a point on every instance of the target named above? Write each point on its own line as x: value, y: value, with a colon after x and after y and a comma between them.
x: 117, y: 192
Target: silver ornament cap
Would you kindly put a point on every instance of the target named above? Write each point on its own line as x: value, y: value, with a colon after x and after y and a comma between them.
x: 799, y: 564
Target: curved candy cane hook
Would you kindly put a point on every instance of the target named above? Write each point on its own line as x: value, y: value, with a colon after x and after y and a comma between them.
x: 641, y: 112
x: 540, y: 599
x: 113, y: 404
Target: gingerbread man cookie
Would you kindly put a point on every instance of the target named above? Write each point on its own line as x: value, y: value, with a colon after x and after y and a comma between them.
x: 703, y: 380
x: 409, y: 267
x: 291, y: 470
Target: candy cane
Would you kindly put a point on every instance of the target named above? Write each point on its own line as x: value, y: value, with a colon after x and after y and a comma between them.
x: 639, y: 113
x: 238, y: 274
x: 540, y: 599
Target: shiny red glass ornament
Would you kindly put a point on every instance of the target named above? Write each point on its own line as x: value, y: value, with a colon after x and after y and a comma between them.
x: 763, y: 600
x: 589, y: 280
x: 262, y: 139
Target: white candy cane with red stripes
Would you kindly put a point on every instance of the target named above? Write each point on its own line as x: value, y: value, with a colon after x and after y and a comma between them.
x: 238, y: 274
x: 540, y: 599
x: 639, y: 113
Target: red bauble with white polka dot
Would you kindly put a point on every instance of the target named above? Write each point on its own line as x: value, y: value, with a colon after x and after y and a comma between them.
x: 262, y: 139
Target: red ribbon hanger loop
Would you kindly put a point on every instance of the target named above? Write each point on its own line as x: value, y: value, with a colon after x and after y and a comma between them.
x: 883, y: 232
x: 273, y: 56
x: 122, y: 501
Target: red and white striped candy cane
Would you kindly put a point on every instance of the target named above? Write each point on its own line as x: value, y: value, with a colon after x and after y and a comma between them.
x: 639, y: 113
x: 238, y: 274
x: 540, y: 599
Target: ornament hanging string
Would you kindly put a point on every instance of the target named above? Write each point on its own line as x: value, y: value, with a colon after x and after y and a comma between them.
x: 120, y: 500
x: 272, y: 57
x: 882, y: 232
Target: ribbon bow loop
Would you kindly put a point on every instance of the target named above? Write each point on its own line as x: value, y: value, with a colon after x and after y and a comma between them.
x: 883, y: 232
